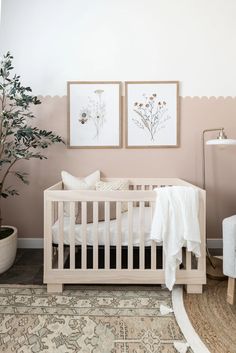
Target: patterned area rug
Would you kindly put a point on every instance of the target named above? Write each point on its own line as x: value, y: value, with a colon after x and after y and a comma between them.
x: 213, y: 318
x: 98, y: 320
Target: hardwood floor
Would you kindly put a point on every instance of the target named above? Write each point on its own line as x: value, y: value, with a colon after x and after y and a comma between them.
x: 27, y: 268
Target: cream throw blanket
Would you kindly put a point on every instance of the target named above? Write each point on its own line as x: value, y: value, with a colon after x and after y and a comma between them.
x: 175, y: 224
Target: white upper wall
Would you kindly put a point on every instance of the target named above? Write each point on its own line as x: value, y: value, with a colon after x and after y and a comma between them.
x: 54, y: 41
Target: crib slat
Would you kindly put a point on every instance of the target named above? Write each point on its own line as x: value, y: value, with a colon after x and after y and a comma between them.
x: 153, y: 243
x: 72, y: 235
x: 130, y: 235
x: 163, y: 258
x: 141, y: 235
x: 118, y: 235
x: 61, y: 236
x: 55, y: 212
x: 95, y: 235
x: 147, y: 188
x: 188, y: 260
x: 135, y: 187
x: 201, y: 261
x: 48, y: 218
x: 84, y: 238
x: 107, y: 235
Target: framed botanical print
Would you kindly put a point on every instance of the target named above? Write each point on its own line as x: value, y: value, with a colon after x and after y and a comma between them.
x: 94, y: 114
x: 152, y: 114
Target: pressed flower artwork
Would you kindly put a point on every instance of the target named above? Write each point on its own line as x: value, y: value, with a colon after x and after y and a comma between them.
x: 152, y: 114
x: 94, y: 114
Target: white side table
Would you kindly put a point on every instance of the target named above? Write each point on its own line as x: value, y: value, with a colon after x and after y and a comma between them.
x: 229, y: 255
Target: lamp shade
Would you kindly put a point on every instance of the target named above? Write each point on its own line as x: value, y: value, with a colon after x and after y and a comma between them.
x: 222, y: 141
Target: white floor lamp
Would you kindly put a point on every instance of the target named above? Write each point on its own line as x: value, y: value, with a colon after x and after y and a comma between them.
x: 214, y: 266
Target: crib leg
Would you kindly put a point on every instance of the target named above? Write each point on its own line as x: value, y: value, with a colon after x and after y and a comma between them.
x: 194, y: 288
x: 231, y: 291
x: 54, y: 288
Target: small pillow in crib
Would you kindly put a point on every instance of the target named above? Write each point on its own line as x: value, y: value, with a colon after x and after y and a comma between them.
x: 70, y: 182
x: 114, y: 186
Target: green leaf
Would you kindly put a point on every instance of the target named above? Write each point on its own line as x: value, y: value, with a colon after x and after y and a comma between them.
x: 22, y: 176
x: 18, y: 139
x: 4, y: 195
x: 4, y: 161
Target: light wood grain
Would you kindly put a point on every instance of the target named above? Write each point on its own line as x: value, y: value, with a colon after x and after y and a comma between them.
x: 231, y: 291
x: 153, y: 243
x: 95, y: 235
x: 61, y: 235
x: 118, y: 229
x: 194, y: 288
x: 138, y: 181
x: 48, y: 251
x: 107, y: 235
x: 188, y: 260
x: 130, y: 235
x: 141, y: 236
x: 72, y: 235
x: 54, y: 288
x: 113, y: 276
x: 202, y: 224
x: 84, y: 237
x: 142, y: 195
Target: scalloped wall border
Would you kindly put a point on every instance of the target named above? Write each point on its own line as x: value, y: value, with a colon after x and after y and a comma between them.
x: 48, y: 96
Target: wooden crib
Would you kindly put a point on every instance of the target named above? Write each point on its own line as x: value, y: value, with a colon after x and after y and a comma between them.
x: 69, y: 262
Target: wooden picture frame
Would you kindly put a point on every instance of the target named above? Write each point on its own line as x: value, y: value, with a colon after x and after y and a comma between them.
x: 94, y: 114
x: 152, y: 114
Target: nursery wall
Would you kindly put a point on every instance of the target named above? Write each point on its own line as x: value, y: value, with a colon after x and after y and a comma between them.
x: 187, y: 40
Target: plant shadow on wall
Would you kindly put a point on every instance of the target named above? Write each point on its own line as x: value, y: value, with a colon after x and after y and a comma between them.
x: 19, y: 140
x: 151, y: 115
x: 94, y: 112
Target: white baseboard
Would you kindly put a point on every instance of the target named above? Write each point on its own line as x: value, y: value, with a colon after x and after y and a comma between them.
x: 30, y: 243
x: 37, y: 243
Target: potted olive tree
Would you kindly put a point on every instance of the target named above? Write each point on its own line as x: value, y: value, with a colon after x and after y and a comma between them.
x: 19, y: 140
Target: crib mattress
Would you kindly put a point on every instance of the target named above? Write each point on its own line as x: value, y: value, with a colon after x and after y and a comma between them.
x: 113, y: 230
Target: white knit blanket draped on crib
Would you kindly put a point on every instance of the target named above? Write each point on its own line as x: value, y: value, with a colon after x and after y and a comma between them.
x: 175, y: 223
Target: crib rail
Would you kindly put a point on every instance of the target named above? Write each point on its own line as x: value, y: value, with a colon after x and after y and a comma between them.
x: 82, y: 262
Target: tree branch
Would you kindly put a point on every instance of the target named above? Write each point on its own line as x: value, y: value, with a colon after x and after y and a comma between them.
x: 6, y: 173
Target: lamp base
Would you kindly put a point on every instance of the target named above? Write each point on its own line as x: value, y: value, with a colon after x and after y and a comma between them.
x: 216, y: 271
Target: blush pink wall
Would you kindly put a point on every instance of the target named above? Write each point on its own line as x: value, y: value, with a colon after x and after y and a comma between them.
x: 196, y: 114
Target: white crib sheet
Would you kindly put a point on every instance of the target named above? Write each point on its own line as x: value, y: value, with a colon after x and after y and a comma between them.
x: 113, y: 230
